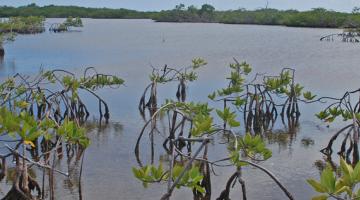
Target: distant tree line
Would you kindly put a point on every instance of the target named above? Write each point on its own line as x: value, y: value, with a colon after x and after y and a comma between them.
x: 317, y: 17
x: 52, y: 11
x: 190, y: 14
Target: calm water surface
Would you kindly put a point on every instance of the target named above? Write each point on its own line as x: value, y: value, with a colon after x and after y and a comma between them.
x: 128, y: 48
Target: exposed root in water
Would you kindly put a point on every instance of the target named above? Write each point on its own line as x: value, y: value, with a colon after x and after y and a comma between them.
x: 348, y: 35
x: 347, y: 107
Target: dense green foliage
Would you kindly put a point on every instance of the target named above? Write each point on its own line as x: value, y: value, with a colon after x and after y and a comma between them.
x: 191, y: 14
x: 75, y: 22
x: 318, y: 17
x: 22, y: 25
x: 31, y: 24
x: 6, y: 38
x: 52, y: 11
x: 66, y: 25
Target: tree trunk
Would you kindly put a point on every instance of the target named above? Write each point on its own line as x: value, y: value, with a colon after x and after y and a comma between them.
x: 2, y: 51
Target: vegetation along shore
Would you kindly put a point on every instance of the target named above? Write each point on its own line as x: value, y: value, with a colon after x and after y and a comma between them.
x: 317, y: 17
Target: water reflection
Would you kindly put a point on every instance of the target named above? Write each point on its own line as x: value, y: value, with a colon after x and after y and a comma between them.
x: 7, y: 66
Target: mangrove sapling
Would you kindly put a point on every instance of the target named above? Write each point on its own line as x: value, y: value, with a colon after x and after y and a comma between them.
x: 40, y: 115
x: 258, y: 100
x: 284, y: 86
x: 19, y: 25
x: 66, y: 25
x: 55, y: 93
x: 166, y: 75
x: 25, y: 127
x: 346, y: 107
x: 179, y: 118
x: 247, y: 146
x: 163, y: 76
x: 23, y: 25
x: 192, y: 123
x: 243, y: 150
x: 73, y: 22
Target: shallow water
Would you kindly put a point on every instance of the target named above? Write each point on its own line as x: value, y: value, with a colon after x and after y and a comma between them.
x: 128, y: 48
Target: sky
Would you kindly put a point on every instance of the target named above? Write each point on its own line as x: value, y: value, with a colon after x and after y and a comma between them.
x: 156, y: 5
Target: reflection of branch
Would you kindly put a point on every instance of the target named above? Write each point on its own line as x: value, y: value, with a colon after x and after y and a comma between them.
x: 272, y: 176
x: 226, y: 193
x: 137, y: 146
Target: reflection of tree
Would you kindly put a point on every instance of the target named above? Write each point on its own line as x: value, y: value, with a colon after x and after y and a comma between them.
x: 95, y: 125
x: 306, y: 142
x: 281, y: 137
x: 322, y: 164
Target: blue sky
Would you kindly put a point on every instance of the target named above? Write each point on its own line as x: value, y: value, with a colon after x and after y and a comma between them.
x: 339, y: 5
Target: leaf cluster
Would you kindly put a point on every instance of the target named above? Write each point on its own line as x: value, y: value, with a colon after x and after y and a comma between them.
x: 250, y: 147
x: 150, y: 173
x: 340, y: 187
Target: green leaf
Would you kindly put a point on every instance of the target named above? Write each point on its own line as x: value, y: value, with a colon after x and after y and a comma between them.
x: 194, y: 172
x: 239, y: 102
x: 177, y: 170
x: 228, y: 117
x: 221, y: 114
x: 136, y: 173
x: 356, y: 172
x: 322, y: 115
x: 199, y: 189
x: 153, y: 171
x: 146, y: 170
x: 159, y: 171
x: 234, y: 123
x: 346, y: 168
x: 212, y: 96
x: 246, y: 68
x: 327, y: 179
x: 308, y: 96
x: 202, y: 124
x: 198, y: 178
x: 320, y: 197
x: 317, y: 186
x: 198, y: 62
x: 341, y: 190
